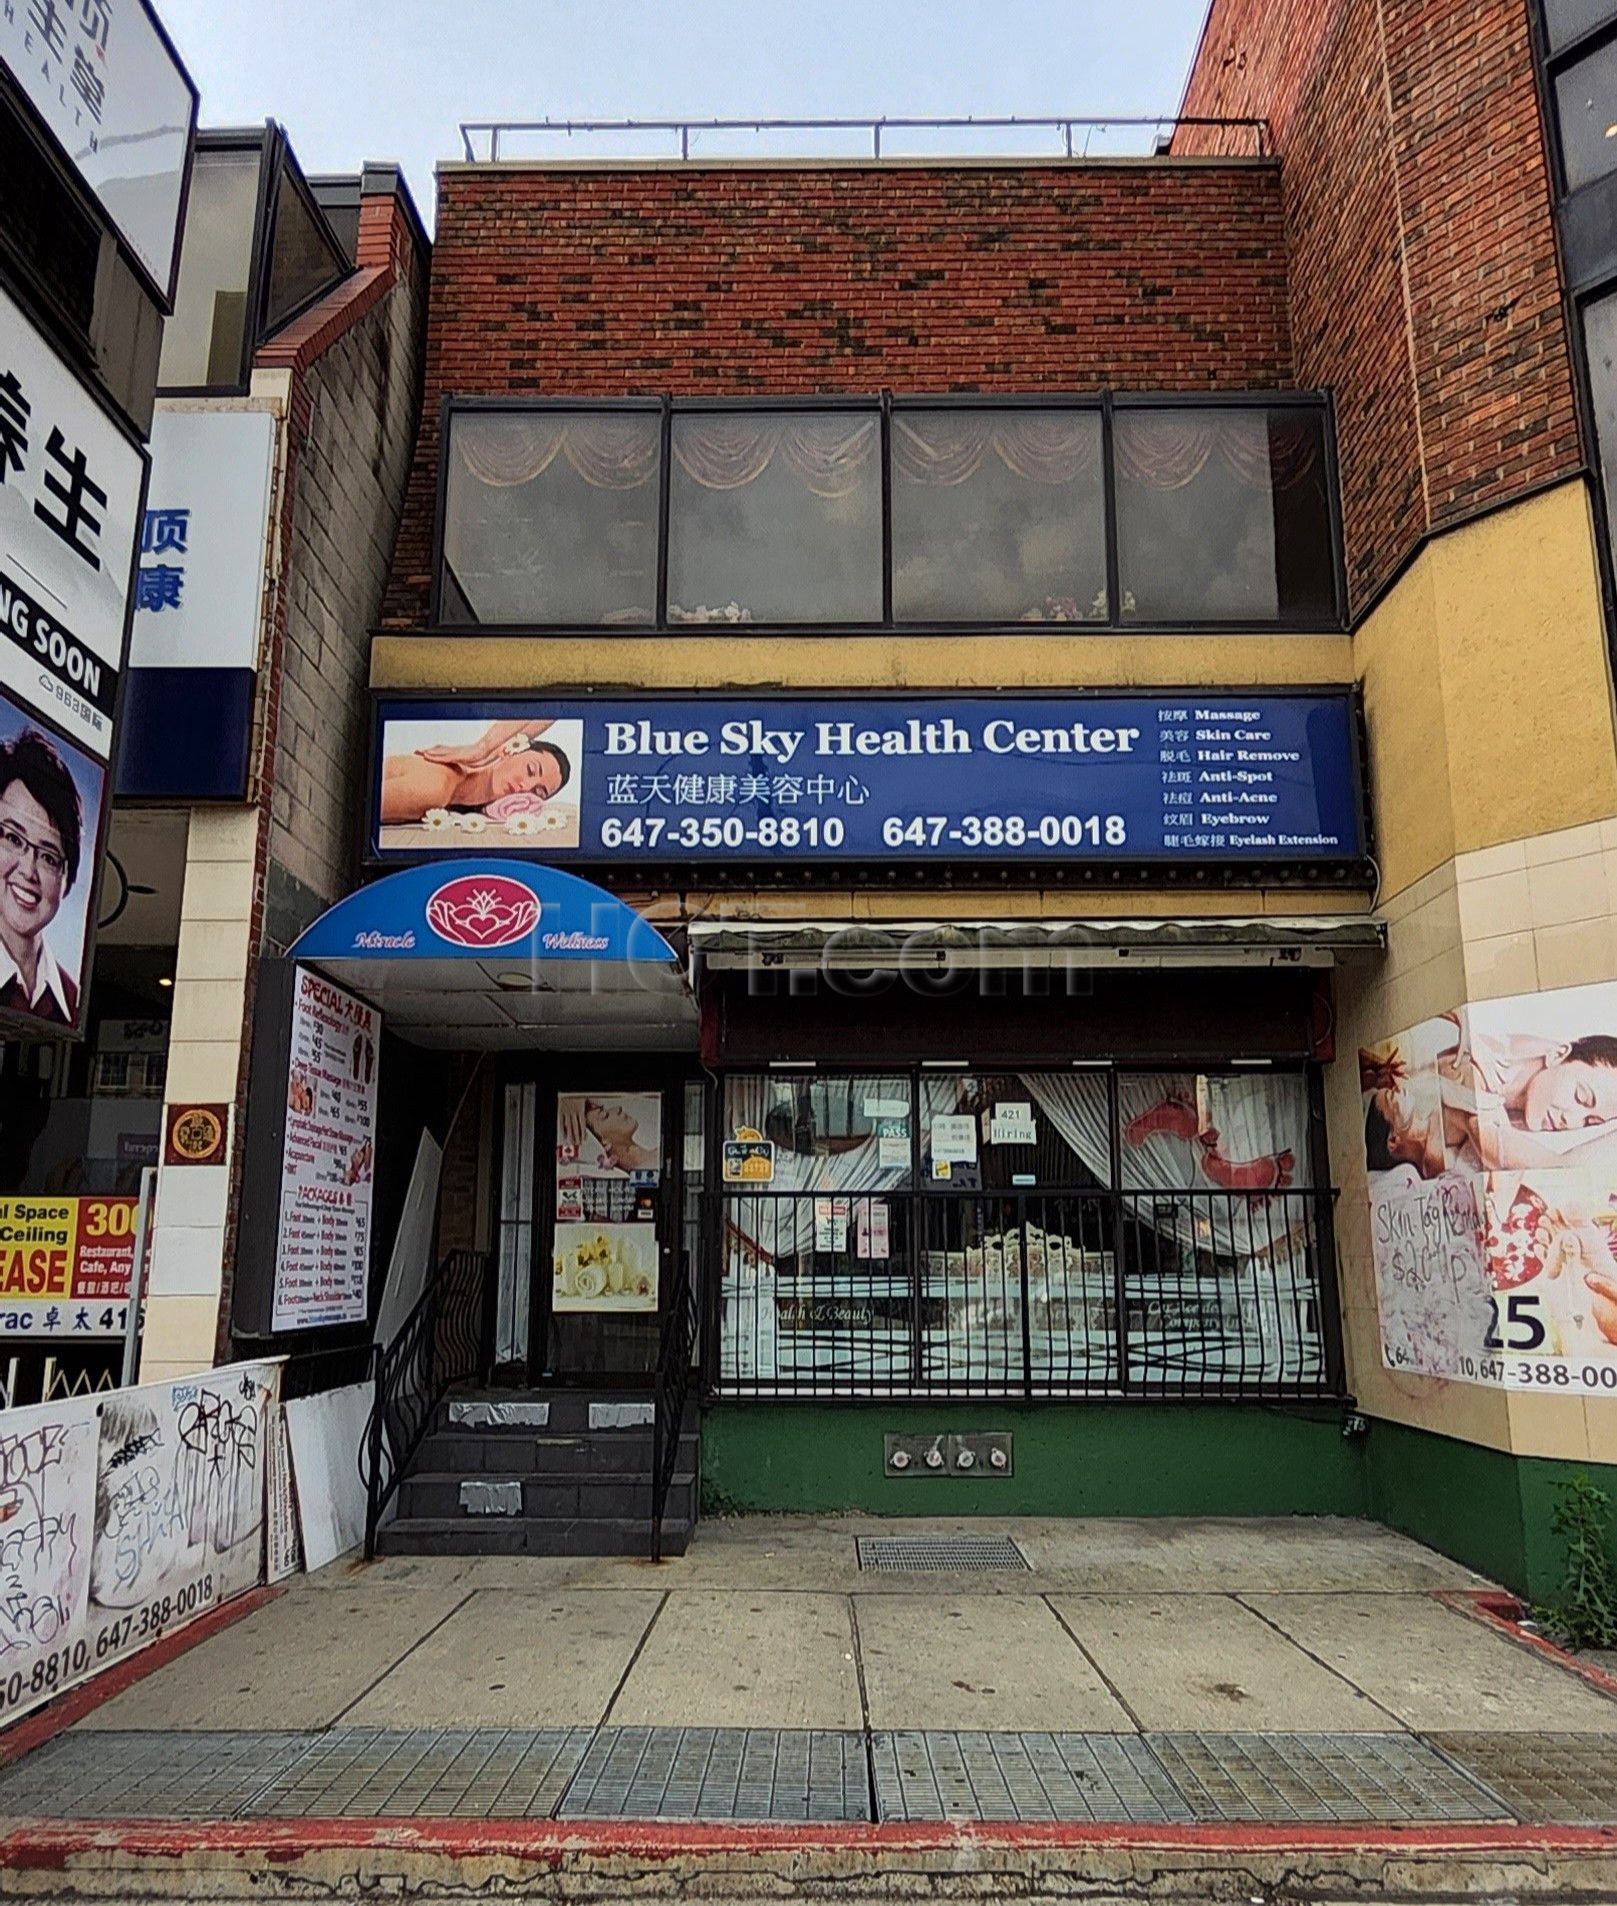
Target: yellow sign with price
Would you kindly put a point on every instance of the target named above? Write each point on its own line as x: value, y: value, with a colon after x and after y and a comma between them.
x: 65, y: 1265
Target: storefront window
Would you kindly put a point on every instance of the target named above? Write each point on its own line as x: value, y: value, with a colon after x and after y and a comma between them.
x: 1047, y: 1245
x: 1600, y: 348
x: 775, y: 517
x: 998, y: 516
x: 551, y: 517
x: 1223, y: 515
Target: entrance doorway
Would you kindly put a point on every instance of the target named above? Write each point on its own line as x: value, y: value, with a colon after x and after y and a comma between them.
x: 597, y: 1217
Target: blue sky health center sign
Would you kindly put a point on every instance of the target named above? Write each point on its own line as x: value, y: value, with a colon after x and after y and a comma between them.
x: 1172, y: 776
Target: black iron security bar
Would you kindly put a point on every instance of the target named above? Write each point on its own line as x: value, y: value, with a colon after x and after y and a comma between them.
x: 482, y: 139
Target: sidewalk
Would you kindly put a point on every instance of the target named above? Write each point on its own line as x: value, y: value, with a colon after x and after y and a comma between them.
x: 1181, y: 1678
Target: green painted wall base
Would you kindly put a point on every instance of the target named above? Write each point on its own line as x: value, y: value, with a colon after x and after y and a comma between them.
x: 1093, y: 1460
x: 1487, y: 1509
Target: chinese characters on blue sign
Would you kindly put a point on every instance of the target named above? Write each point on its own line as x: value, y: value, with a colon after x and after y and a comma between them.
x: 1165, y: 777
x: 160, y: 585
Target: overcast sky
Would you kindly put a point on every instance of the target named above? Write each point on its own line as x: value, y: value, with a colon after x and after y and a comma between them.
x: 392, y: 79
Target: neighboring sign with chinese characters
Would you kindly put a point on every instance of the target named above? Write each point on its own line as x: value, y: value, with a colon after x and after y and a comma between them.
x: 1176, y: 776
x: 201, y: 581
x: 328, y: 1161
x: 65, y: 1265
x: 188, y: 717
x: 103, y: 77
x: 70, y: 501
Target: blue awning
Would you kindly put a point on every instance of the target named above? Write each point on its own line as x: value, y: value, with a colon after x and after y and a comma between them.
x: 489, y: 954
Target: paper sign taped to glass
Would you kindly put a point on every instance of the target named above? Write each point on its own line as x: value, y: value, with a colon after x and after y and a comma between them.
x: 1491, y: 1153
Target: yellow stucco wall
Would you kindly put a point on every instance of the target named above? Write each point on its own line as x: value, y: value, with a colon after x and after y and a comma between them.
x: 1487, y: 691
x: 984, y: 663
x: 1494, y: 774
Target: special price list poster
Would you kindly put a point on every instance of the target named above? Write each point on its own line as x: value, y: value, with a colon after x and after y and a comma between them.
x: 328, y: 1160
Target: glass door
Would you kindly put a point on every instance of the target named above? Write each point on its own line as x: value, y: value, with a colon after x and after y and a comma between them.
x: 607, y: 1145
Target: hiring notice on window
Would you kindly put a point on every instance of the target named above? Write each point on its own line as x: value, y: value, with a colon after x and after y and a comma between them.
x: 328, y: 1160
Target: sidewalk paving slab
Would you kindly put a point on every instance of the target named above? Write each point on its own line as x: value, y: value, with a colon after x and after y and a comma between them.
x: 515, y: 1658
x: 1434, y: 1667
x: 747, y: 1659
x: 958, y: 1661
x: 1207, y: 1661
x: 297, y: 1662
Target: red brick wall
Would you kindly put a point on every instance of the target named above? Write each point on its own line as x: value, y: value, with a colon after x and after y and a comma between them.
x: 822, y: 279
x: 1423, y: 272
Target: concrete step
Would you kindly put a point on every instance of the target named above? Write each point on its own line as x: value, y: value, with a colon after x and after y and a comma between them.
x: 547, y: 1495
x: 551, y: 1412
x: 529, y: 1535
x: 607, y: 1452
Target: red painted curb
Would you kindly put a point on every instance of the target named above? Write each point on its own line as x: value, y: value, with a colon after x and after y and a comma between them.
x: 1499, y: 1611
x: 33, y: 1730
x: 47, y: 1844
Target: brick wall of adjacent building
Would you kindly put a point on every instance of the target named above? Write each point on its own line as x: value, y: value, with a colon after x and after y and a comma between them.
x: 811, y: 279
x: 359, y: 409
x: 1423, y: 274
x: 354, y: 362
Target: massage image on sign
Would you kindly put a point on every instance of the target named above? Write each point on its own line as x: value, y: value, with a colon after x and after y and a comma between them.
x: 1517, y: 1100
x: 450, y: 784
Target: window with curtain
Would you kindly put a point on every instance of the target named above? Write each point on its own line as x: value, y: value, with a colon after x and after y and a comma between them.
x: 775, y: 517
x: 551, y: 517
x: 998, y: 516
x: 1023, y: 1230
x: 1223, y: 515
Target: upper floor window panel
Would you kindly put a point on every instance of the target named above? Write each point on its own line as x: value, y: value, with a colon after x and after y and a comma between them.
x: 775, y: 517
x: 999, y: 515
x: 551, y: 517
x: 1101, y: 512
x: 1223, y: 515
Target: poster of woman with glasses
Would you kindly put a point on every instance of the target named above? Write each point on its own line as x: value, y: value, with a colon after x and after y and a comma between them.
x: 50, y: 805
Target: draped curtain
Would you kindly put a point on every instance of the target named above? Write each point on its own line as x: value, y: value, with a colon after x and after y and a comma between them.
x: 1158, y: 450
x: 609, y: 453
x: 1168, y: 449
x: 1043, y: 447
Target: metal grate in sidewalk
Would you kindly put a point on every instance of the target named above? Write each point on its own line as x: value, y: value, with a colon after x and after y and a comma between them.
x: 689, y: 1773
x: 1565, y: 1779
x: 720, y: 1773
x: 103, y: 1775
x: 1060, y: 1777
x: 1325, y: 1777
x: 942, y: 1555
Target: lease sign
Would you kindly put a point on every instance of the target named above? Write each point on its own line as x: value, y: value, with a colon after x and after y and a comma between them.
x: 65, y: 1265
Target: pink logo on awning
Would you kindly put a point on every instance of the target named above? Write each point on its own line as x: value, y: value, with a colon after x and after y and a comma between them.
x: 483, y: 910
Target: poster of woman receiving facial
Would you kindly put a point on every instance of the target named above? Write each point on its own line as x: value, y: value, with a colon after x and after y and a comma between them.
x: 1491, y: 1150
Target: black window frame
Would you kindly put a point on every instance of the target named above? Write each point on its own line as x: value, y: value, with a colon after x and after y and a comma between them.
x: 275, y: 162
x: 1105, y: 402
x: 1318, y: 1196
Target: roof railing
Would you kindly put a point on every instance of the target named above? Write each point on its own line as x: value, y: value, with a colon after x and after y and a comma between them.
x: 489, y: 140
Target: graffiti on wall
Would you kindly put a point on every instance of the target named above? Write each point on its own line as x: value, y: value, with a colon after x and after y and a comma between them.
x: 124, y: 1516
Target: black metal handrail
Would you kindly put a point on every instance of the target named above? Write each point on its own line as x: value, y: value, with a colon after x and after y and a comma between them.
x: 1155, y: 1293
x: 670, y: 1394
x: 441, y: 1342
